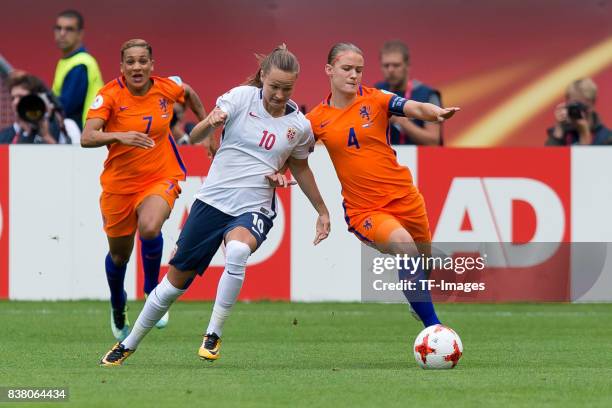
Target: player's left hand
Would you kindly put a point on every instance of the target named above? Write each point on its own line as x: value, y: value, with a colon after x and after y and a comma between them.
x: 279, y: 180
x: 447, y: 113
x: 323, y: 228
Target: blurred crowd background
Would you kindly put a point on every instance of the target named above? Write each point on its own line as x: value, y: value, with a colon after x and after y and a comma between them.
x: 524, y: 73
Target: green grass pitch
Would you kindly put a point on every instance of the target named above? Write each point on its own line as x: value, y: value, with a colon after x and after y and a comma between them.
x: 328, y: 354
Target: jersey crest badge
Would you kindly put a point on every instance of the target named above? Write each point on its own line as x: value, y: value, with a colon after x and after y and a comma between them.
x: 291, y: 133
x: 163, y: 105
x: 364, y: 111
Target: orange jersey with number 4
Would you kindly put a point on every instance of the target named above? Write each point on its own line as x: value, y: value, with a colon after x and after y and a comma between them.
x: 129, y: 169
x: 357, y: 139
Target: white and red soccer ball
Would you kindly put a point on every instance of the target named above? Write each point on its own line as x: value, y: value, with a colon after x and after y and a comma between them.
x: 437, y: 347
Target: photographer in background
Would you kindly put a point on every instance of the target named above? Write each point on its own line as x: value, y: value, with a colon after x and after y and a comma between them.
x: 577, y: 121
x: 395, y: 66
x: 38, y: 114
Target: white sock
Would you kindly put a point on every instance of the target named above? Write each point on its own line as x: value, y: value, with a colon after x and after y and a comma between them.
x: 236, y: 256
x: 158, y: 302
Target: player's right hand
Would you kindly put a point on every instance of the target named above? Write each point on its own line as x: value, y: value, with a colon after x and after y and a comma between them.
x: 216, y: 117
x: 137, y: 139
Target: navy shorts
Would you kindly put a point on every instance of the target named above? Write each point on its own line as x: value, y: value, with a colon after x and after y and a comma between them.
x: 204, y: 231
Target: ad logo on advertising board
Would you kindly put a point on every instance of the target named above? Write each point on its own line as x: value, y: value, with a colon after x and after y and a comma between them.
x: 517, y: 212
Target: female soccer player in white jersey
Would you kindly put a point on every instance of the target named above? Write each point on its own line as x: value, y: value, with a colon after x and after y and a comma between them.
x: 263, y: 130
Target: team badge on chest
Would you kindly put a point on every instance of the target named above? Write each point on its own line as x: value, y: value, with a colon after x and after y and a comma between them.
x: 365, y: 112
x: 291, y: 133
x: 163, y: 105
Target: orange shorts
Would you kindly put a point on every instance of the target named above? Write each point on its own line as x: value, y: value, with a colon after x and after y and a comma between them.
x: 119, y: 210
x: 376, y: 225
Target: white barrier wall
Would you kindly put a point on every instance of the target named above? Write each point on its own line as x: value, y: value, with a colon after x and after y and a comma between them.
x: 56, y: 246
x: 592, y: 219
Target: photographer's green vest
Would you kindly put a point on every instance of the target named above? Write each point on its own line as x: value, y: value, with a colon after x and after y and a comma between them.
x: 94, y: 77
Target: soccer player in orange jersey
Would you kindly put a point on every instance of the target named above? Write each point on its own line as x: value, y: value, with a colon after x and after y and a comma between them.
x: 382, y: 206
x: 131, y: 117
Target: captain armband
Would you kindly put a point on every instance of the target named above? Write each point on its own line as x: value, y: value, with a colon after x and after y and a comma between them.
x: 396, y: 105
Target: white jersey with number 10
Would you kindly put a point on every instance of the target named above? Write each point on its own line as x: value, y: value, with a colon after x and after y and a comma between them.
x: 254, y: 144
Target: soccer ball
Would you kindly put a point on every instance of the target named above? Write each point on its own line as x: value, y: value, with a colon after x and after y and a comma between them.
x: 437, y: 347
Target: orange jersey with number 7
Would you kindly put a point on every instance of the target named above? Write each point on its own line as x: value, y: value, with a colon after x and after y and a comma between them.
x: 357, y: 139
x: 129, y: 169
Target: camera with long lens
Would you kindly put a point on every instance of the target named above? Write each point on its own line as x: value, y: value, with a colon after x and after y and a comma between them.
x: 32, y: 108
x: 42, y: 106
x: 576, y: 110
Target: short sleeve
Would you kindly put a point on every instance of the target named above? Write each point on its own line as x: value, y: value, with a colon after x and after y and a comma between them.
x: 176, y: 89
x: 102, y: 106
x: 231, y: 101
x: 306, y: 143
